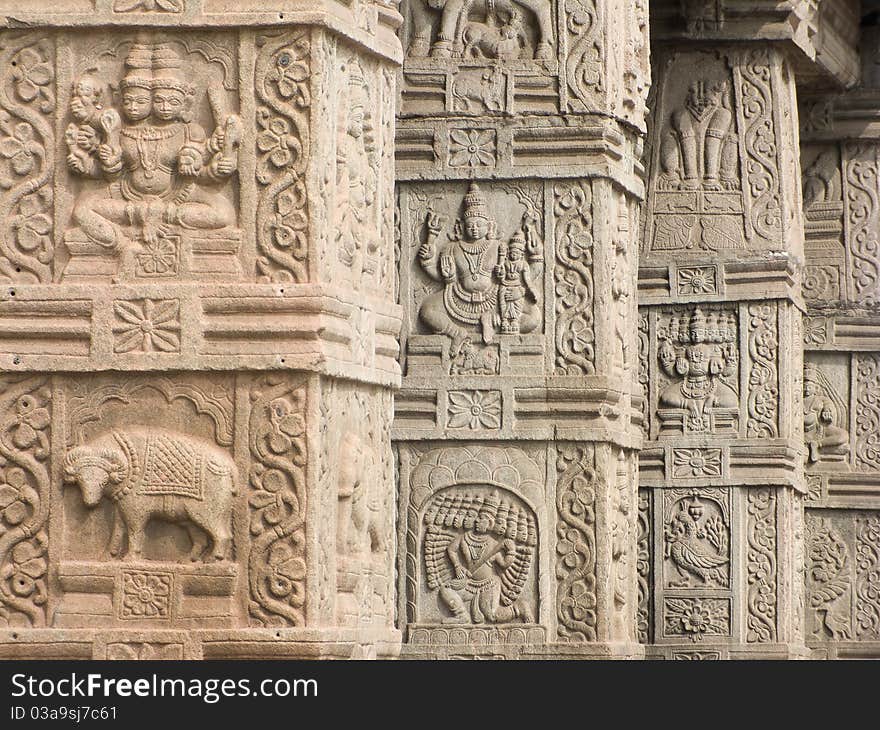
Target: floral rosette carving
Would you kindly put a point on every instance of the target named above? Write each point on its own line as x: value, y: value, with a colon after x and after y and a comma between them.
x: 573, y: 275
x: 277, y: 496
x: 24, y: 490
x: 27, y: 107
x: 283, y: 142
x: 576, y: 543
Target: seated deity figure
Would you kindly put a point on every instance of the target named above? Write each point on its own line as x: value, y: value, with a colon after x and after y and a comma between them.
x: 471, y: 266
x: 706, y: 355
x: 157, y: 161
x: 821, y: 434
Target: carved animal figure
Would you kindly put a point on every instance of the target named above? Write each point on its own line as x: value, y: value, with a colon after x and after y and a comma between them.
x: 492, y: 39
x: 153, y: 473
x: 359, y: 526
x: 456, y: 17
x: 472, y: 93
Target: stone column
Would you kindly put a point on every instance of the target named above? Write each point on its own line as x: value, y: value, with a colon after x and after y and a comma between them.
x: 840, y: 154
x: 198, y: 329
x: 518, y: 145
x: 722, y: 470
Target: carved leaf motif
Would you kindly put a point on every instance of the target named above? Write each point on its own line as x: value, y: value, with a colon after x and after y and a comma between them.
x: 24, y: 448
x: 868, y: 577
x: 27, y: 161
x: 282, y: 76
x: 761, y: 565
x: 862, y: 220
x: 763, y: 400
x: 644, y: 616
x: 573, y: 275
x: 276, y: 564
x: 867, y: 456
x: 576, y: 543
x: 762, y: 170
x: 584, y: 63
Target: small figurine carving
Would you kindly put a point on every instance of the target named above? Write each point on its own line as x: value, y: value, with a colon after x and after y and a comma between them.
x: 158, y: 474
x: 356, y: 178
x: 472, y: 266
x: 823, y: 435
x: 85, y: 133
x: 478, y: 552
x: 818, y: 178
x: 517, y: 287
x: 699, y: 353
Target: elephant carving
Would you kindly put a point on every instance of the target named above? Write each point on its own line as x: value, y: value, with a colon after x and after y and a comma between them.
x: 480, y: 28
x: 359, y: 528
x: 153, y: 473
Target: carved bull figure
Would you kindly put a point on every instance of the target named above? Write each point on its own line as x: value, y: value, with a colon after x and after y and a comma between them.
x: 152, y: 473
x: 454, y: 22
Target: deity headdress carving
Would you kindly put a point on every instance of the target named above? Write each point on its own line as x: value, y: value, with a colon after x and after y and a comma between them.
x: 153, y: 66
x: 814, y: 376
x: 703, y: 327
x: 139, y: 67
x: 475, y: 203
x: 168, y: 72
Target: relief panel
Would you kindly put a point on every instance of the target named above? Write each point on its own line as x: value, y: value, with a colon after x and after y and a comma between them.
x: 843, y: 555
x: 473, y: 275
x: 715, y: 182
x: 475, y: 517
x: 144, y: 529
x: 151, y: 143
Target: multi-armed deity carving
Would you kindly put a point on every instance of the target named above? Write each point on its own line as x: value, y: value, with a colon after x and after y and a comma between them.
x: 699, y: 150
x: 160, y: 173
x: 824, y: 416
x: 500, y: 29
x: 479, y: 549
x: 698, y: 353
x: 489, y: 285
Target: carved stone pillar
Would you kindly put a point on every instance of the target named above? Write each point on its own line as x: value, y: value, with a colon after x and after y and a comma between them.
x: 722, y: 468
x: 840, y: 154
x: 198, y: 329
x: 518, y: 145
